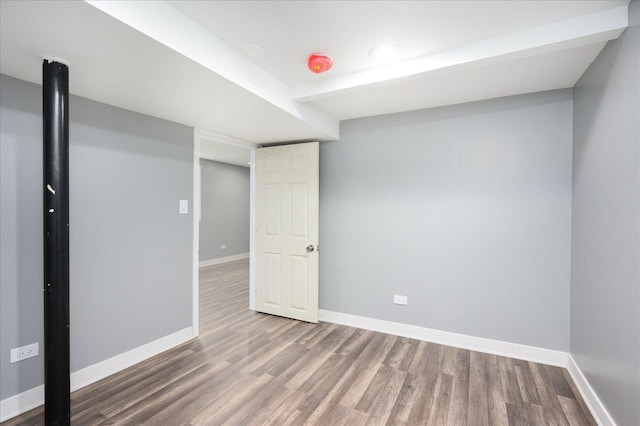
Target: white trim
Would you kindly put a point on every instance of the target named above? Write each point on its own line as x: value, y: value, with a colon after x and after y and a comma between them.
x: 230, y: 140
x: 195, y: 251
x: 218, y: 260
x: 597, y: 408
x: 100, y: 370
x: 480, y: 344
x: 252, y: 231
x: 28, y: 400
x: 21, y: 403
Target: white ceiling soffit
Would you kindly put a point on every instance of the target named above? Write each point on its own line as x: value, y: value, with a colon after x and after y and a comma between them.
x: 465, y: 84
x: 592, y: 29
x: 183, y: 61
x: 112, y: 63
x: 508, y: 48
x: 165, y: 24
x: 224, y: 149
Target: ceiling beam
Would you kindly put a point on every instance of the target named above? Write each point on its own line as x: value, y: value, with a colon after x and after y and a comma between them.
x: 168, y: 26
x: 590, y: 29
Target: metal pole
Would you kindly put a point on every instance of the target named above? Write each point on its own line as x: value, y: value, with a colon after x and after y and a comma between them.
x: 57, y: 392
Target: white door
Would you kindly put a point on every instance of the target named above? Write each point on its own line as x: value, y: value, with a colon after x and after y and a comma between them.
x: 287, y: 198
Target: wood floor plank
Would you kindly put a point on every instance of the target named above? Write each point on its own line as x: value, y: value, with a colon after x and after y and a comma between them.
x: 304, y: 369
x: 110, y: 402
x: 248, y: 368
x: 546, y: 391
x: 358, y: 387
x: 439, y: 407
x: 496, y: 394
x: 398, y: 352
x: 244, y: 388
x: 510, y: 384
x: 87, y: 417
x: 515, y: 415
x: 478, y: 410
x: 319, y: 386
x: 378, y: 386
x: 355, y: 343
x: 526, y: 383
x: 332, y: 400
x: 427, y: 371
x: 456, y: 363
x: 558, y: 381
x: 401, y: 410
x: 286, y: 413
x: 573, y: 412
x: 147, y: 407
x: 333, y: 340
x: 276, y: 361
x: 292, y: 333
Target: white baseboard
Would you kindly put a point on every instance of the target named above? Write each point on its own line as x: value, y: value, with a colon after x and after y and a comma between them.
x: 21, y: 403
x: 497, y: 347
x: 99, y: 371
x: 218, y: 260
x: 28, y: 400
x: 597, y: 408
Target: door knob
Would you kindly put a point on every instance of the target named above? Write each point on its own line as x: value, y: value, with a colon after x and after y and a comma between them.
x: 310, y: 248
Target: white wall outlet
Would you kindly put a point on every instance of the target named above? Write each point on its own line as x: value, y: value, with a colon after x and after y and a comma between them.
x: 184, y: 207
x: 24, y: 352
x: 400, y: 300
x: 223, y: 247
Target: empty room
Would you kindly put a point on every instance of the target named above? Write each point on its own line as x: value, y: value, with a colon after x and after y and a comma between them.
x: 320, y: 212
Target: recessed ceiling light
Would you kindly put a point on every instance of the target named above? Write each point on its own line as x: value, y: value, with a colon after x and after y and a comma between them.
x: 254, y: 51
x: 384, y: 52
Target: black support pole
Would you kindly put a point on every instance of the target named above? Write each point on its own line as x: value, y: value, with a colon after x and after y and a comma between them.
x: 57, y: 392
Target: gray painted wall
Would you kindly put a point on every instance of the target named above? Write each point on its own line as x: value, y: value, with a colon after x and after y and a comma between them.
x: 464, y: 209
x: 130, y: 249
x: 224, y: 217
x: 605, y: 261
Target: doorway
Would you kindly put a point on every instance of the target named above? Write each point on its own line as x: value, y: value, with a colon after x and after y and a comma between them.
x: 223, y: 157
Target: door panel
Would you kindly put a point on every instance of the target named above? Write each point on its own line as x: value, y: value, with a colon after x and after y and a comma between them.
x: 272, y: 279
x: 287, y: 196
x: 272, y: 209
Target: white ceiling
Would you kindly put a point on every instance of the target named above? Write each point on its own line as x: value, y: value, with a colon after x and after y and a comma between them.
x: 184, y: 61
x: 347, y: 30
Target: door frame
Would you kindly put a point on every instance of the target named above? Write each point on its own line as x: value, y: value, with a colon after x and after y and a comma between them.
x: 201, y: 136
x: 195, y: 251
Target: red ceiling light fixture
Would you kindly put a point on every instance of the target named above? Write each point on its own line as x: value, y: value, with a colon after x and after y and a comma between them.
x: 318, y: 63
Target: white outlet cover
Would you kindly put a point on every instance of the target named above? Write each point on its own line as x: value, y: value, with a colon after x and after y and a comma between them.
x: 400, y: 300
x: 24, y: 352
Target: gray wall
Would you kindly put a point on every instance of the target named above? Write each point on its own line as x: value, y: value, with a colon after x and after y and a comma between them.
x: 464, y: 209
x: 224, y: 210
x: 130, y: 249
x: 605, y: 261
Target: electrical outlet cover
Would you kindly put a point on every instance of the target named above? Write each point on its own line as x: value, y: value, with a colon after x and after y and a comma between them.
x: 400, y: 300
x: 24, y: 352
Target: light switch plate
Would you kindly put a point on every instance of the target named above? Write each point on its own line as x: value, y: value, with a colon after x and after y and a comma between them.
x: 184, y: 207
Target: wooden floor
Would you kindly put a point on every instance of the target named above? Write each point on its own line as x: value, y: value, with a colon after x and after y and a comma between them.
x: 252, y: 369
